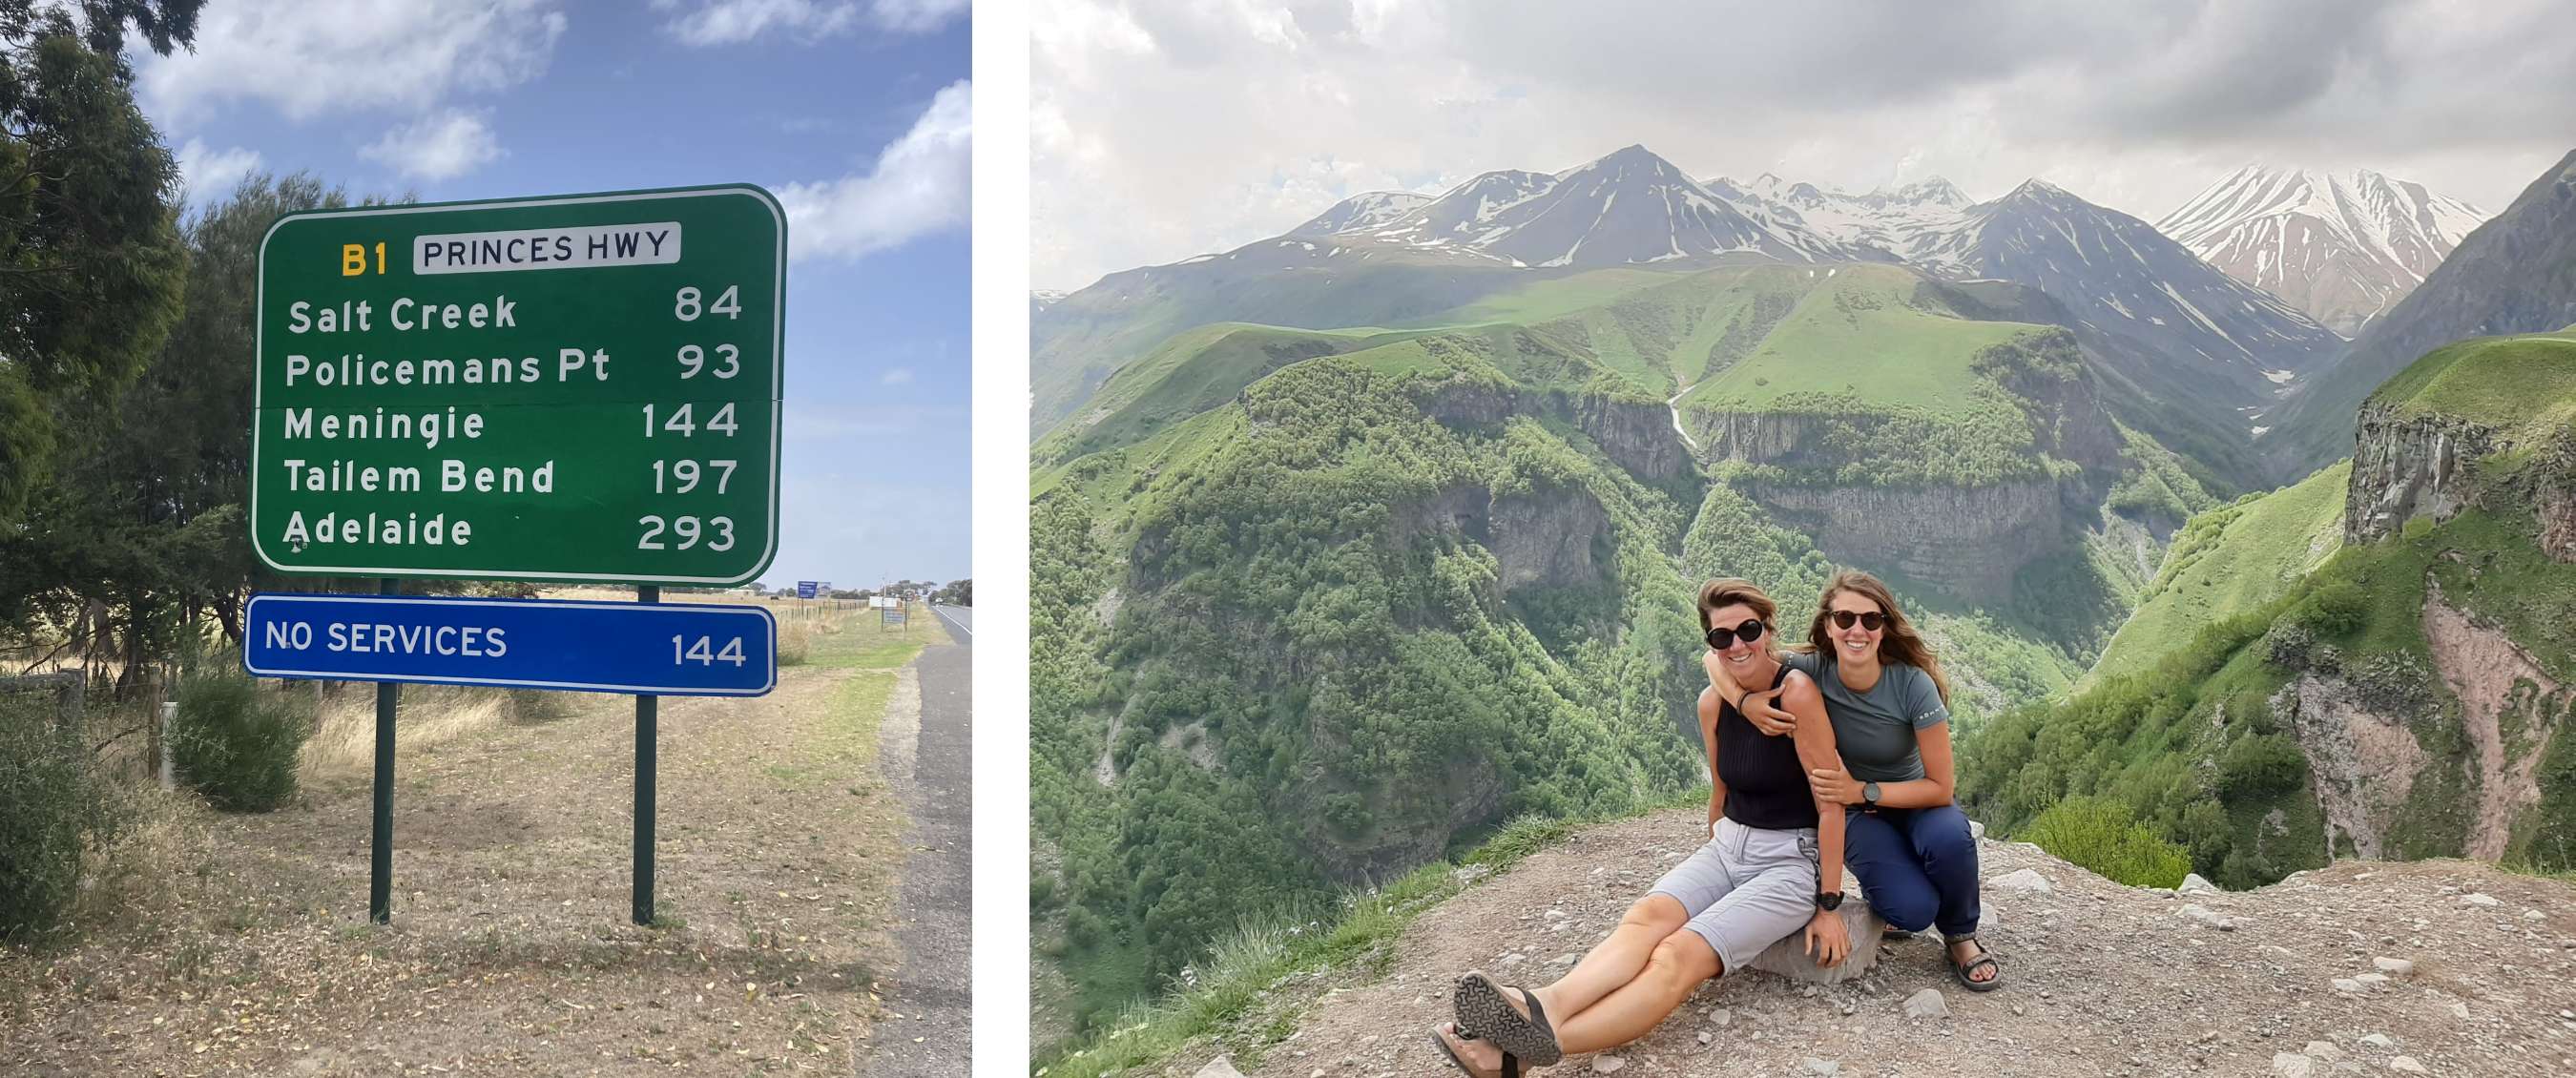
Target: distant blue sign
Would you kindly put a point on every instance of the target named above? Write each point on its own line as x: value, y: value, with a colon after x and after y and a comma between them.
x: 658, y: 649
x: 805, y: 589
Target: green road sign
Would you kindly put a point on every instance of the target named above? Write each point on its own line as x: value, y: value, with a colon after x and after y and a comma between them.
x: 577, y: 388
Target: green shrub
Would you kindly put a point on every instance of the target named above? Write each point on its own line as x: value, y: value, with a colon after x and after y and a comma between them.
x: 2337, y: 609
x: 236, y: 744
x: 2102, y: 836
x: 45, y: 803
x: 2260, y: 765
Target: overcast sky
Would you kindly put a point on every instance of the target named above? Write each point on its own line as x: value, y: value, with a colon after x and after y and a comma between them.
x: 853, y: 112
x: 1163, y: 130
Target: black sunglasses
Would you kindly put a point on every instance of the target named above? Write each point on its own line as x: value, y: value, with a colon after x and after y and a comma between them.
x: 1843, y: 619
x: 1724, y: 638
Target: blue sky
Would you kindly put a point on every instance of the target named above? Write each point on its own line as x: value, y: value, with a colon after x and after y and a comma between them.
x: 852, y: 112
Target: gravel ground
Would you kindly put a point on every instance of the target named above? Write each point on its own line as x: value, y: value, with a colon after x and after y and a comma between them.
x: 2449, y: 966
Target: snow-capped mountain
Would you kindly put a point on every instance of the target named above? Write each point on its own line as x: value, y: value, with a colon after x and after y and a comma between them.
x: 1629, y: 207
x: 2344, y: 247
x: 1905, y: 221
x: 1361, y: 212
x: 2119, y: 276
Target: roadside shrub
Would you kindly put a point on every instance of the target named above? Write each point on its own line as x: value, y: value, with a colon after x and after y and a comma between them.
x: 795, y: 643
x: 44, y: 802
x: 536, y: 707
x: 236, y: 744
x: 2102, y: 836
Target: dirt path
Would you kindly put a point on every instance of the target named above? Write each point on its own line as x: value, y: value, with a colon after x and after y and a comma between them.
x: 2102, y: 979
x: 511, y: 951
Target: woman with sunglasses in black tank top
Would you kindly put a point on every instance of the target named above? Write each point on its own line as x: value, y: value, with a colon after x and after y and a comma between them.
x: 1888, y: 703
x: 1771, y: 867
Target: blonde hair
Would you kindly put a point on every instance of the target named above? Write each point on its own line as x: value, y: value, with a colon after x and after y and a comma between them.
x: 1902, y: 644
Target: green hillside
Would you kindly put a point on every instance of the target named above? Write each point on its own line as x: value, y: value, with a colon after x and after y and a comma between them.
x: 1870, y: 333
x: 2523, y: 386
x: 2404, y: 698
x: 1194, y: 371
x: 2228, y: 561
x: 1282, y: 648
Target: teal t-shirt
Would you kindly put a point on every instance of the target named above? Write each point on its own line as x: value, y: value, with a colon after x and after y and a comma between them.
x: 1874, y: 730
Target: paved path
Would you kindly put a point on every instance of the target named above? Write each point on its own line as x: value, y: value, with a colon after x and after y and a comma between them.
x: 930, y: 987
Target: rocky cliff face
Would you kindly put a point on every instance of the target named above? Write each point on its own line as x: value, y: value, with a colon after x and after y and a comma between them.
x: 1965, y: 541
x: 2403, y: 468
x: 1635, y: 435
x: 2552, y: 480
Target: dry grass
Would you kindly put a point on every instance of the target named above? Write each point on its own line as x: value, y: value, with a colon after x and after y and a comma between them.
x: 208, y: 943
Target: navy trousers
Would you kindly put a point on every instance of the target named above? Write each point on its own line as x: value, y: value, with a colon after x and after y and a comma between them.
x: 1918, y: 866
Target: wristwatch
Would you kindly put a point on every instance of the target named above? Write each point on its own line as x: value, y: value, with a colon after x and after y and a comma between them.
x: 1869, y: 796
x: 1828, y: 901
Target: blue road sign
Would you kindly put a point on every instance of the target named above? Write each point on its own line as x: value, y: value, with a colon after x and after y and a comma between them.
x: 805, y: 589
x: 659, y: 649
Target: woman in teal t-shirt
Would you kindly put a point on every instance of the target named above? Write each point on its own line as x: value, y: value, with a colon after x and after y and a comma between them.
x: 1906, y: 840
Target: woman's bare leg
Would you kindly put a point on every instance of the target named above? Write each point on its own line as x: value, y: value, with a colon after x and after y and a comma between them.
x: 1675, y: 968
x: 1615, y: 961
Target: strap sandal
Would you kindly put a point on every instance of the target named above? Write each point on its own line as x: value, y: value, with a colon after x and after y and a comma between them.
x: 1482, y: 1005
x: 1961, y: 970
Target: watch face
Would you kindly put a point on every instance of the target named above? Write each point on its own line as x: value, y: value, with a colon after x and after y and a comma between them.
x: 1869, y: 792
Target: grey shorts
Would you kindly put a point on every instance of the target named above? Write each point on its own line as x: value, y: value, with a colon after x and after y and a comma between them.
x: 1746, y: 889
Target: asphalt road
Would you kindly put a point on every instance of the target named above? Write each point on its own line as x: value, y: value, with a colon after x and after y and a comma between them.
x: 930, y: 988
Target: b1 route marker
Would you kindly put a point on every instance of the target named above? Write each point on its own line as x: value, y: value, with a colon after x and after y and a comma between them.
x: 663, y: 649
x: 571, y: 388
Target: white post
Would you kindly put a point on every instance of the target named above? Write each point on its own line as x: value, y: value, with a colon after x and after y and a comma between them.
x: 169, y: 711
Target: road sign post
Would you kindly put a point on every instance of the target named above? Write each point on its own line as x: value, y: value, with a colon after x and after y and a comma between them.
x: 648, y: 723
x: 579, y: 388
x: 380, y: 856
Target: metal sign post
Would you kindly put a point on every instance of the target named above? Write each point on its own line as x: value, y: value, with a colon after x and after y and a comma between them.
x: 647, y: 763
x: 380, y: 861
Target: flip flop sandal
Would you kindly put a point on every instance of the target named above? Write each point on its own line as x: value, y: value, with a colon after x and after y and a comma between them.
x: 1961, y: 970
x: 1482, y: 1006
x: 1511, y: 1065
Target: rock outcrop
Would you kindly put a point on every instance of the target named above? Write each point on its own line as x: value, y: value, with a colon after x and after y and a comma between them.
x: 2408, y: 467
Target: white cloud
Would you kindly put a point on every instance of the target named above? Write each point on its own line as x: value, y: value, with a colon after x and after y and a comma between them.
x: 209, y: 173
x: 365, y: 54
x: 438, y: 147
x: 914, y: 16
x: 900, y: 376
x: 732, y: 22
x: 920, y: 185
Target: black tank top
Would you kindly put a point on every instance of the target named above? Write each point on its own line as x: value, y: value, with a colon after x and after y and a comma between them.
x: 1766, y: 785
